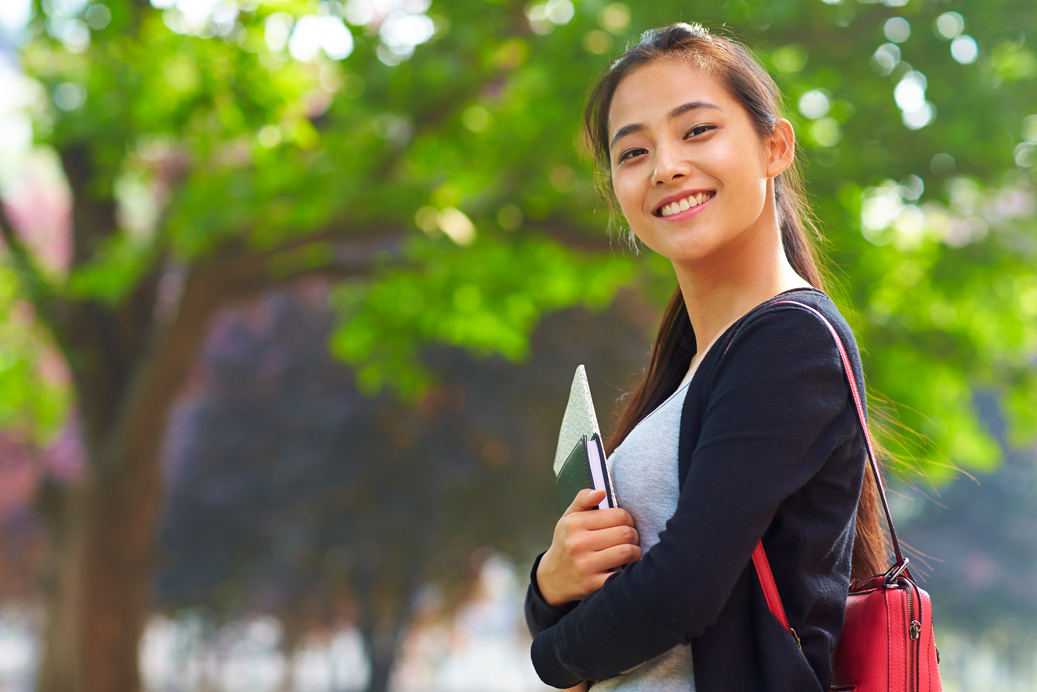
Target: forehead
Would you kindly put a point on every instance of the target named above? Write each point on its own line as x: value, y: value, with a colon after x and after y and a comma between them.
x: 647, y: 93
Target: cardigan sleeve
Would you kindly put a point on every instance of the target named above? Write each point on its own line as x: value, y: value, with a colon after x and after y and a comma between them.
x: 539, y: 613
x: 768, y: 426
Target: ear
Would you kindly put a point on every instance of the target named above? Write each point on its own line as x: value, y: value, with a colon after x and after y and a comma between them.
x: 781, y: 147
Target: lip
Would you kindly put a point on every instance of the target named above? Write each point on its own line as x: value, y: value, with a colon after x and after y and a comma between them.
x: 687, y: 213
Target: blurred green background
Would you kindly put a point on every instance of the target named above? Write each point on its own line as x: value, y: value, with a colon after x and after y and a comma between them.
x: 291, y: 293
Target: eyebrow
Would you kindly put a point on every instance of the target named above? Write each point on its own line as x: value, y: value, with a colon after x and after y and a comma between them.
x: 675, y: 113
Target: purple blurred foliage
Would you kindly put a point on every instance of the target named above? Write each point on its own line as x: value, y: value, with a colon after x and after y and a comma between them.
x: 292, y: 494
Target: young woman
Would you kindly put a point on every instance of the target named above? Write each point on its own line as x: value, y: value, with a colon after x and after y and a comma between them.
x: 743, y: 428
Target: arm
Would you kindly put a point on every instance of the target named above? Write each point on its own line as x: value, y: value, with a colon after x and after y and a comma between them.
x: 767, y: 429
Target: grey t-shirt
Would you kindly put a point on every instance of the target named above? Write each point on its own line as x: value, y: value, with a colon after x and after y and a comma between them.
x: 644, y: 474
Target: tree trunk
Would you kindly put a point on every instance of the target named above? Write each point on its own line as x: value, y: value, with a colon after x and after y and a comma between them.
x: 58, y: 663
x: 288, y: 646
x: 100, y: 580
x: 382, y: 641
x: 103, y: 528
x: 128, y: 371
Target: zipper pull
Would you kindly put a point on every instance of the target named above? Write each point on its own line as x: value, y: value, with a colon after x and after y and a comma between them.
x: 916, y: 629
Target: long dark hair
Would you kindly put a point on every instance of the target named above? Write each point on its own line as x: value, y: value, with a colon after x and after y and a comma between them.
x: 749, y: 84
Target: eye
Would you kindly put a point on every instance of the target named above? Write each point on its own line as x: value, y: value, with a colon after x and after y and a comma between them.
x: 630, y: 153
x: 698, y: 130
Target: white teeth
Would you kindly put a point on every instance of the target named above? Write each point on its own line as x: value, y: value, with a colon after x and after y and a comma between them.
x: 684, y: 204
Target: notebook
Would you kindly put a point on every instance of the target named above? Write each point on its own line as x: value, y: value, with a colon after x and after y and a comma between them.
x: 580, y: 456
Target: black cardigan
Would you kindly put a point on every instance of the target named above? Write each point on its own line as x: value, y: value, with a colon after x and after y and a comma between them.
x: 769, y: 447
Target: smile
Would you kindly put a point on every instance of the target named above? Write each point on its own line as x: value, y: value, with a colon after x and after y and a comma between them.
x: 684, y: 204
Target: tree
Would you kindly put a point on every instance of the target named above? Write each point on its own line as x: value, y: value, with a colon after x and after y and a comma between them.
x: 323, y: 507
x: 987, y: 552
x: 424, y: 156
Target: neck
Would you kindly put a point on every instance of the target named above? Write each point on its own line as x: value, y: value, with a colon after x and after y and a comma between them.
x: 730, y: 286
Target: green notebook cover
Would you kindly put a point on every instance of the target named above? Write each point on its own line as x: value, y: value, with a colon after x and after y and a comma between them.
x: 575, y: 474
x: 584, y: 470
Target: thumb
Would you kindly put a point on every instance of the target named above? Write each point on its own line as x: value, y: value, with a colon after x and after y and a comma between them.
x: 585, y: 500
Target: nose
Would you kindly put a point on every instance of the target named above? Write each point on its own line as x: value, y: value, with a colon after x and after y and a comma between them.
x: 670, y: 165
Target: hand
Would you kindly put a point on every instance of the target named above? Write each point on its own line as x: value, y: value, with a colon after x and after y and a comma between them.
x: 588, y: 543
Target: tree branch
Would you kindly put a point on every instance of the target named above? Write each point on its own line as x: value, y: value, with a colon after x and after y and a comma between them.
x: 231, y: 274
x: 93, y: 215
x: 329, y: 253
x: 575, y: 237
x: 39, y: 290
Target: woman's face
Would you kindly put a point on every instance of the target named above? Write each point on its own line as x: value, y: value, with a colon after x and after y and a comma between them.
x: 689, y: 170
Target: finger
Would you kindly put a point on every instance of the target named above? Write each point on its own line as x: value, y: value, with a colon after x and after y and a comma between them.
x: 616, y: 556
x: 582, y: 545
x: 615, y: 535
x: 601, y: 519
x: 616, y: 516
x: 595, y: 581
x: 593, y: 541
x: 600, y: 563
x: 585, y: 500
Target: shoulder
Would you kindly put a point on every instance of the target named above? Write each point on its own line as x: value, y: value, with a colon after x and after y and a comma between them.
x: 797, y: 325
x: 777, y: 379
x: 783, y: 354
x: 782, y: 362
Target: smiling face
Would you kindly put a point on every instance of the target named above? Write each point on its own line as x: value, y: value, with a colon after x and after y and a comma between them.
x: 689, y: 170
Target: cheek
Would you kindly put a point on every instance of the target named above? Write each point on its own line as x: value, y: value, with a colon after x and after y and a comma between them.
x: 626, y: 193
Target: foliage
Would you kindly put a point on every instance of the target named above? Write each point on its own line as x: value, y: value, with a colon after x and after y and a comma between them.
x: 427, y: 157
x: 978, y: 548
x: 492, y: 310
x: 463, y: 151
x: 33, y: 399
x: 322, y: 506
